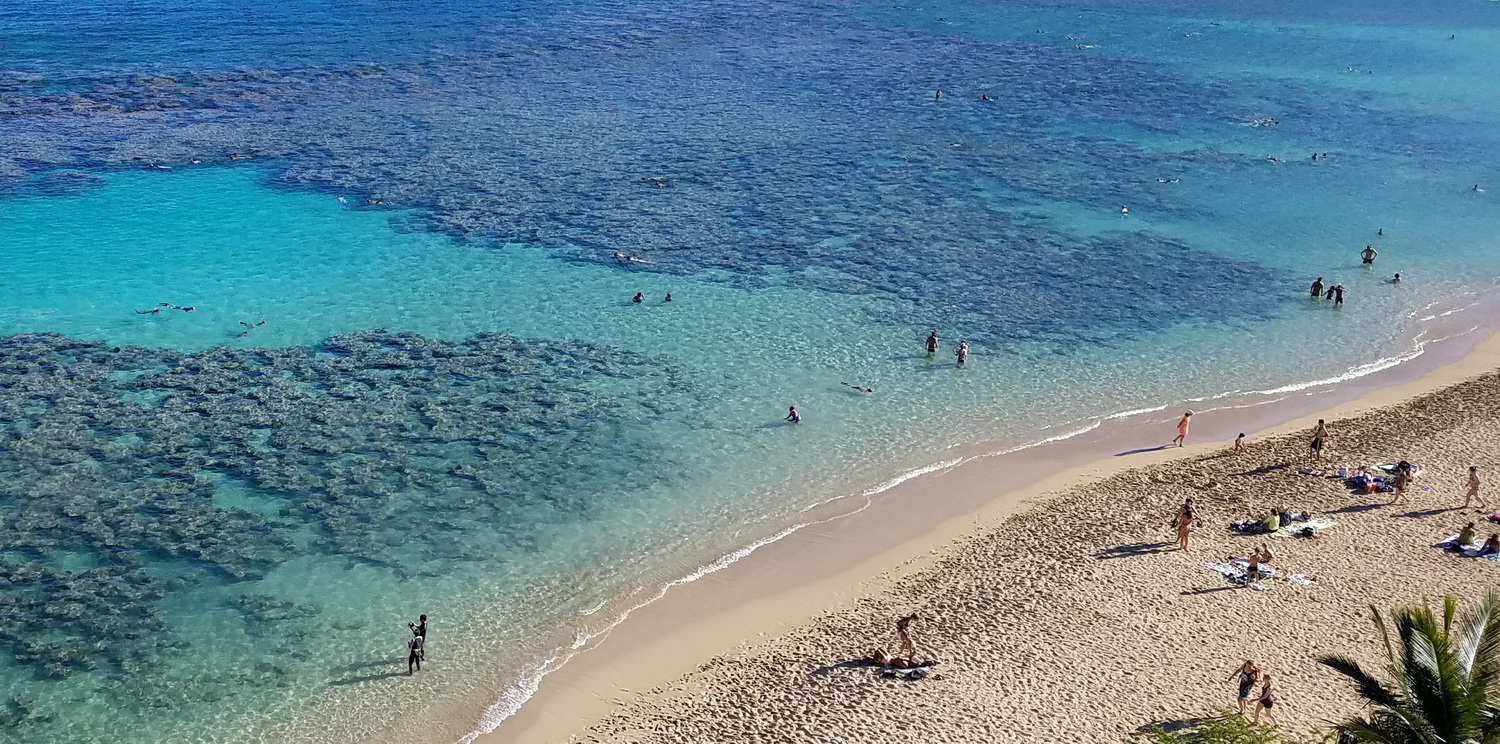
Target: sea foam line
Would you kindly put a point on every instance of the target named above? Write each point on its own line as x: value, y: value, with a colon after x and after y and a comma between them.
x: 518, y: 693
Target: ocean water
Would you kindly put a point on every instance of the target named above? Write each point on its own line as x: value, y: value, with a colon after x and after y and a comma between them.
x: 413, y: 380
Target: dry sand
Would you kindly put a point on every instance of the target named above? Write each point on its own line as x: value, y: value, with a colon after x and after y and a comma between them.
x: 1075, y: 621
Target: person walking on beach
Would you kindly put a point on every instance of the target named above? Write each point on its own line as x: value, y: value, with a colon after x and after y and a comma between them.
x: 1319, y: 438
x: 1183, y: 522
x: 1471, y: 489
x: 932, y: 342
x: 1368, y: 254
x: 962, y: 352
x: 1400, y: 481
x: 908, y: 646
x: 1249, y: 674
x: 1265, y: 701
x: 1182, y: 429
x: 414, y: 654
x: 792, y: 415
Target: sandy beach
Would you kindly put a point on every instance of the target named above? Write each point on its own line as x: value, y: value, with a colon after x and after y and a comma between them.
x: 1061, y: 612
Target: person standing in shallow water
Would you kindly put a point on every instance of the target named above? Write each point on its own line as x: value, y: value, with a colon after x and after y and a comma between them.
x: 932, y: 342
x: 1368, y: 254
x: 1338, y: 295
x: 792, y: 415
x: 1182, y: 429
x: 962, y: 352
x: 414, y: 654
x: 419, y: 628
x: 1317, y: 288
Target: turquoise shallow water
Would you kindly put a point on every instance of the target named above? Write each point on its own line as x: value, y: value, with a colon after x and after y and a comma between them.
x: 214, y: 536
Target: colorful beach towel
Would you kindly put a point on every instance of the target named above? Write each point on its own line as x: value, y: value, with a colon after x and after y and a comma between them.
x: 1235, y: 571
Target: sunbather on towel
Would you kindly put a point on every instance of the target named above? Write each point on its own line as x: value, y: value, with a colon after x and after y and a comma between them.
x: 1466, y: 535
x: 1491, y: 546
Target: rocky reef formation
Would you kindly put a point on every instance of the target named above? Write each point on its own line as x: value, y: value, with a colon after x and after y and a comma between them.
x: 129, y: 473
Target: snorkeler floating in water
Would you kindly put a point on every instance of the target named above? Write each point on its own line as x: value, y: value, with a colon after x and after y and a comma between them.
x: 628, y: 257
x: 253, y: 325
x: 860, y: 388
x: 152, y: 311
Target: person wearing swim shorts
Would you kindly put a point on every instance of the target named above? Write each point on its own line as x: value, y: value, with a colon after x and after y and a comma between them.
x: 1266, y: 700
x: 932, y: 342
x: 1249, y: 674
x: 1368, y: 254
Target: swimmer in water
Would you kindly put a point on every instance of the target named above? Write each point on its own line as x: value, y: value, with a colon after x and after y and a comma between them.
x: 984, y: 98
x: 932, y: 342
x: 1317, y: 288
x: 638, y: 298
x: 1368, y: 254
x: 938, y: 96
x: 860, y: 388
x: 188, y: 309
x: 1381, y: 231
x: 1396, y: 279
x: 342, y: 200
x: 1273, y: 158
x: 152, y: 311
x: 962, y: 352
x: 1168, y: 180
x: 669, y: 297
x: 168, y: 305
x: 1124, y: 209
x: 1476, y: 188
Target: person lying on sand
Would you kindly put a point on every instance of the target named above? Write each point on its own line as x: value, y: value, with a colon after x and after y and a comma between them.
x: 879, y: 656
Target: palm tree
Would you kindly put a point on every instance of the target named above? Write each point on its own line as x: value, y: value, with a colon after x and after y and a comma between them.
x: 1445, y: 674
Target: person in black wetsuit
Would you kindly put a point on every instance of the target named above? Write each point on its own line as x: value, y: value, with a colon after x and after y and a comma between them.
x: 414, y: 654
x: 1317, y: 288
x: 419, y: 629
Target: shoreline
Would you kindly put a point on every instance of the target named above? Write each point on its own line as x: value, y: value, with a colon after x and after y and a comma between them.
x: 841, y: 558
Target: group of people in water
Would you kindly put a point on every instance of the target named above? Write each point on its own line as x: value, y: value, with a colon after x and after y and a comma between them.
x: 160, y: 306
x: 1335, y: 292
x: 932, y: 345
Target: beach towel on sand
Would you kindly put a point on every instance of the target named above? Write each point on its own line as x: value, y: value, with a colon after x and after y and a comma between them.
x: 1297, y: 529
x: 1470, y: 550
x: 1235, y: 571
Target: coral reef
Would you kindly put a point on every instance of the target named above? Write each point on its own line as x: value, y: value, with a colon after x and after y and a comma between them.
x: 373, y: 441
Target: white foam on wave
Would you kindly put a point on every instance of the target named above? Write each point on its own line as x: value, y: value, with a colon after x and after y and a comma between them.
x: 518, y: 693
x: 908, y: 475
x: 1135, y: 412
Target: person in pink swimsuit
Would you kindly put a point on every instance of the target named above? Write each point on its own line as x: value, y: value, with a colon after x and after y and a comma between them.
x: 1182, y: 428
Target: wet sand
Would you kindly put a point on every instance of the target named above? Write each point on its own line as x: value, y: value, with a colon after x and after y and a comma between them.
x: 1059, y: 611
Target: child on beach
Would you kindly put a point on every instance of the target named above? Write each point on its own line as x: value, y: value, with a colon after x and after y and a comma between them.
x: 792, y: 415
x: 1239, y: 443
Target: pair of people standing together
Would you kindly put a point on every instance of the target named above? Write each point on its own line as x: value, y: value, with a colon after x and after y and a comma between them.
x: 1250, y: 675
